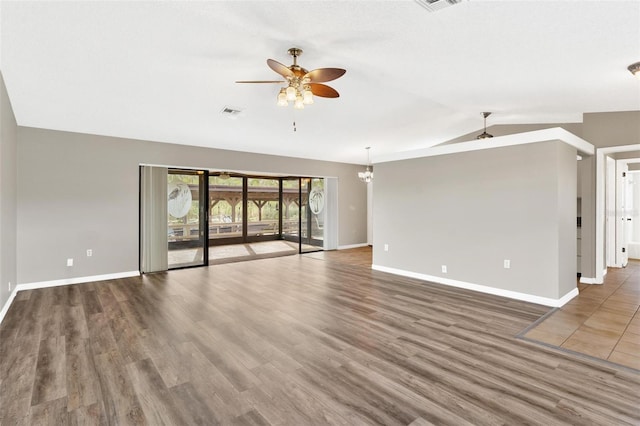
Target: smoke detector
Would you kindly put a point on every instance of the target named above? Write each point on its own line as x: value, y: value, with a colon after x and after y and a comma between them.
x: 435, y: 5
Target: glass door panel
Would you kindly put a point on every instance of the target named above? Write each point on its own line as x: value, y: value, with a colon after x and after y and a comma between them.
x: 225, y: 207
x: 305, y: 184
x: 291, y: 209
x: 312, y: 206
x: 317, y: 211
x: 186, y: 229
x: 263, y: 204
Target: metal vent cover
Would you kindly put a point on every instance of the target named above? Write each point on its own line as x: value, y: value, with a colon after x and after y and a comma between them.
x: 231, y: 112
x: 435, y: 5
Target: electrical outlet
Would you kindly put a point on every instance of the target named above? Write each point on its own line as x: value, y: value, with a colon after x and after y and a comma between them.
x: 386, y: 247
x: 89, y: 252
x: 9, y: 286
x: 507, y: 264
x: 70, y: 262
x: 444, y: 269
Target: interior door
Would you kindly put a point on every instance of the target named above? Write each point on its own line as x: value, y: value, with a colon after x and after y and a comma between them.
x: 627, y: 213
x: 187, y: 218
x: 622, y: 234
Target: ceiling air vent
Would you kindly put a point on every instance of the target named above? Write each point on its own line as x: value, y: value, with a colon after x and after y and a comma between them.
x: 435, y: 5
x: 231, y: 112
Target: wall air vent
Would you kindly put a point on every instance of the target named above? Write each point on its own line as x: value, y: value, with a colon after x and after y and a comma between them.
x: 435, y: 5
x: 231, y: 112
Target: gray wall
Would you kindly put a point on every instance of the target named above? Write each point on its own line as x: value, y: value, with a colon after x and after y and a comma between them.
x: 472, y: 210
x: 602, y: 129
x: 79, y: 191
x: 8, y: 203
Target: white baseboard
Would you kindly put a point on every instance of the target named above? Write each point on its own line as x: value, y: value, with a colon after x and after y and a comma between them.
x: 6, y: 306
x: 589, y: 280
x: 556, y: 303
x: 78, y: 280
x: 352, y: 246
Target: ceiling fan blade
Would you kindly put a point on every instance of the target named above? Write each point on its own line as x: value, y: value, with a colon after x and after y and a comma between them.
x: 323, y: 91
x: 281, y: 69
x: 322, y: 75
x: 260, y: 81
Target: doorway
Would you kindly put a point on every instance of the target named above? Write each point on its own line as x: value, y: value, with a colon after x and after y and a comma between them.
x: 194, y: 218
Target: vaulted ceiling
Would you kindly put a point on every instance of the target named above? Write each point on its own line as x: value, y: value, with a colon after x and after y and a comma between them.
x: 164, y: 71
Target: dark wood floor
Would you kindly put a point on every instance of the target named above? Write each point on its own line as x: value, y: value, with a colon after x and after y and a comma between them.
x: 300, y: 340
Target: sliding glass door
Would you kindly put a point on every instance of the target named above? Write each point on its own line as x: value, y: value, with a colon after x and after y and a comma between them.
x: 317, y: 212
x: 263, y: 209
x: 213, y: 209
x: 303, y: 212
x: 290, y: 208
x: 226, y: 209
x: 312, y: 214
x: 186, y: 218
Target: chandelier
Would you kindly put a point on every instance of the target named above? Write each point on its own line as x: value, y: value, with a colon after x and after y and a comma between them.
x: 634, y: 69
x: 485, y: 135
x: 367, y: 175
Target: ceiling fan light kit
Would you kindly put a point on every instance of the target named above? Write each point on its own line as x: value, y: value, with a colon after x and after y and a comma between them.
x: 302, y: 85
x: 635, y: 69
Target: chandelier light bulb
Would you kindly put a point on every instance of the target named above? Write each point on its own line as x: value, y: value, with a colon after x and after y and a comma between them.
x: 291, y: 93
x: 282, y: 98
x: 307, y: 96
x: 299, y: 103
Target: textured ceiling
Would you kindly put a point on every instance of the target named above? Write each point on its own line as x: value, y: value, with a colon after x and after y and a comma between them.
x: 163, y: 71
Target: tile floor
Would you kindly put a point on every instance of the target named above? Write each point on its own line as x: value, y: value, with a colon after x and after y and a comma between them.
x: 603, y: 321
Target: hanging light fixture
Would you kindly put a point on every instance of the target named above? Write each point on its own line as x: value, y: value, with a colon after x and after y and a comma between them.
x: 485, y: 135
x: 301, y: 83
x: 635, y: 69
x: 367, y: 175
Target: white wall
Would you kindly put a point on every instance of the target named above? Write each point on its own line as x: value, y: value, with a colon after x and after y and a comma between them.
x: 79, y: 192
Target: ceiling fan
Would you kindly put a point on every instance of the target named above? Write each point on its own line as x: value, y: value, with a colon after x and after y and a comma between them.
x: 302, y: 85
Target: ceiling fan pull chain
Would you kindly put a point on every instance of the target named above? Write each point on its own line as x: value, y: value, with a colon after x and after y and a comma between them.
x: 294, y: 127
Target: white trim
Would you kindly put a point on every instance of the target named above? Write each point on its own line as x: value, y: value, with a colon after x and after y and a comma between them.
x: 78, y: 280
x: 544, y: 135
x: 600, y: 203
x: 567, y: 297
x: 588, y: 280
x: 351, y: 246
x: 7, y: 305
x: 482, y: 288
